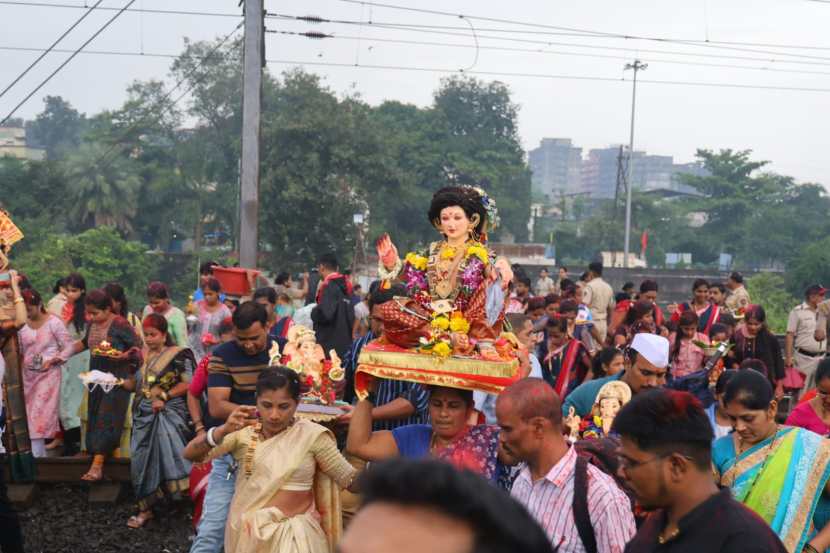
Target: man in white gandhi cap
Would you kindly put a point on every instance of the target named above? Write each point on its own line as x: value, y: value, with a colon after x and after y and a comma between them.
x: 646, y: 366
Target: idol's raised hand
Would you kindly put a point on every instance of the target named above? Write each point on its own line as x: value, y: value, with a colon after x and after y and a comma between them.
x: 387, y: 252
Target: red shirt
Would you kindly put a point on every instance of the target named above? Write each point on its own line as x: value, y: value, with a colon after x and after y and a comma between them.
x: 198, y: 383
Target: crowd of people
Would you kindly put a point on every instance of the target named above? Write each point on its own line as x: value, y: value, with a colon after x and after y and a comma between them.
x: 631, y: 428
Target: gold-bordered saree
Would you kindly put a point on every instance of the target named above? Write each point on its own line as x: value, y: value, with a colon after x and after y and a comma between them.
x: 254, y: 527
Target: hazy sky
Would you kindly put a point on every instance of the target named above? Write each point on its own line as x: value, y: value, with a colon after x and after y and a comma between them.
x: 788, y: 127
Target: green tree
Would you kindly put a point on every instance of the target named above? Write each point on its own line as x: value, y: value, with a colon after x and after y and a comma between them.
x: 810, y: 266
x: 769, y: 290
x: 102, y: 190
x: 318, y: 163
x: 58, y: 128
x: 99, y: 254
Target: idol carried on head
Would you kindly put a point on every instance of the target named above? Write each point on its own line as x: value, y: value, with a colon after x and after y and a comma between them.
x: 451, y: 319
x: 451, y: 281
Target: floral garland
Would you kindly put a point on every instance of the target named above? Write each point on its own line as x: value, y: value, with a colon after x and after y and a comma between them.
x: 470, y: 271
x: 443, y: 326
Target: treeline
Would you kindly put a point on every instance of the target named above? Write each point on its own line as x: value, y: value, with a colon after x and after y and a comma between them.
x: 160, y: 172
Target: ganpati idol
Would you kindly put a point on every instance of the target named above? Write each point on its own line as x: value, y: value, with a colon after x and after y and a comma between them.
x: 303, y: 354
x: 456, y: 286
x: 445, y: 329
x: 610, y: 399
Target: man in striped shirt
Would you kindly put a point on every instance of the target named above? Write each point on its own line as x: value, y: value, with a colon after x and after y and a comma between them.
x: 232, y: 373
x: 530, y: 417
x: 397, y: 403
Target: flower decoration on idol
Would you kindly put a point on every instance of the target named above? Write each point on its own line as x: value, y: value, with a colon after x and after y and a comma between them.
x: 479, y: 252
x: 418, y: 262
x: 458, y: 323
x: 489, y: 204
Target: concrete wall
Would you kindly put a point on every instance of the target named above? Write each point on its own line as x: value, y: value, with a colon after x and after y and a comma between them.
x: 675, y: 284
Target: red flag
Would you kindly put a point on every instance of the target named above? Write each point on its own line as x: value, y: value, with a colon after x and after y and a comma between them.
x: 643, y: 243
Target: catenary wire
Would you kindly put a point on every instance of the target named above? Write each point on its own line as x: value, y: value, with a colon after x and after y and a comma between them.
x: 547, y: 76
x: 637, y: 51
x: 552, y: 52
x: 588, y: 32
x: 690, y: 41
x: 67, y: 60
x: 149, y: 111
x: 106, y: 8
x: 51, y: 47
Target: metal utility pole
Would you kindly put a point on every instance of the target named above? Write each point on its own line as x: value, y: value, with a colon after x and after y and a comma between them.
x: 253, y: 61
x: 636, y: 66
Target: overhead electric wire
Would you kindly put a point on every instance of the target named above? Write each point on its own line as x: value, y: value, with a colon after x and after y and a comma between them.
x: 552, y: 52
x: 546, y: 76
x: 105, y: 8
x: 70, y: 58
x: 549, y: 33
x: 637, y: 51
x: 45, y: 52
x: 587, y: 32
x: 149, y: 111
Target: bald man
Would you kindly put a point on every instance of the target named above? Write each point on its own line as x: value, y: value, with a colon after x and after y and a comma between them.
x: 529, y: 414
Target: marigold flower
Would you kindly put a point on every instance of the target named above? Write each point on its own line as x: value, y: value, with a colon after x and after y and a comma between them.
x: 442, y: 349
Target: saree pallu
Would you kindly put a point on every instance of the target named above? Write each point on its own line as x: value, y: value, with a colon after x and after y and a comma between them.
x: 561, y: 368
x: 782, y: 479
x: 21, y: 460
x: 264, y: 468
x: 158, y: 440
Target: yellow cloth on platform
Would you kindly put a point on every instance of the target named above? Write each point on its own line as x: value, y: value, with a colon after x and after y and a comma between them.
x: 255, y: 527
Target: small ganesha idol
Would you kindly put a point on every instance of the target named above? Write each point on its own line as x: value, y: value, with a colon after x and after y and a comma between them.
x: 303, y: 354
x: 610, y: 399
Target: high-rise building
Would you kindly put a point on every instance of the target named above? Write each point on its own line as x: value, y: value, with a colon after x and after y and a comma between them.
x: 650, y: 173
x: 599, y: 173
x: 556, y: 167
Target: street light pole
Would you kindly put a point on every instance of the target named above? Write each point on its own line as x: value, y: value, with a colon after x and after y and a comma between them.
x: 629, y: 185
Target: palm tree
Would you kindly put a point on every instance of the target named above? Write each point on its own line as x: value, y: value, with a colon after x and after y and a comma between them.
x: 103, y: 188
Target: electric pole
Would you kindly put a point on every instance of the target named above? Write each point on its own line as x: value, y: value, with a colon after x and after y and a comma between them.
x: 636, y: 66
x: 252, y: 64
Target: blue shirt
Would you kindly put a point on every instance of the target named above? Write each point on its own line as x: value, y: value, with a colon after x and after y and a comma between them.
x: 417, y: 395
x: 583, y: 397
x: 413, y: 440
x: 388, y: 390
x: 199, y: 295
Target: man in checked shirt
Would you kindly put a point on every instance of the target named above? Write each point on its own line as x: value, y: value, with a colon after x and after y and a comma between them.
x: 530, y: 416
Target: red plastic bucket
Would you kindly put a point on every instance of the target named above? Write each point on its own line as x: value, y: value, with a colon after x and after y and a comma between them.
x: 234, y: 280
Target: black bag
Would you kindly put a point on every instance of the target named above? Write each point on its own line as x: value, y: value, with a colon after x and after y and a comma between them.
x: 601, y: 453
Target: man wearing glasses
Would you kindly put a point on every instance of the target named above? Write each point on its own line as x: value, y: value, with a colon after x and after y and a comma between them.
x: 665, y: 457
x: 647, y: 362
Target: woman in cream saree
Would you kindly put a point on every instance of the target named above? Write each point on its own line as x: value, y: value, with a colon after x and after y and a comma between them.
x: 287, y: 497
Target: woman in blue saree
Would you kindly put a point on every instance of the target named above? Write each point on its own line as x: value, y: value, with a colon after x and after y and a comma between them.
x: 161, y: 424
x: 780, y: 472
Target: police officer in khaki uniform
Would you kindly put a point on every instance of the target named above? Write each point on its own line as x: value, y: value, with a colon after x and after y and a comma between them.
x: 802, y: 349
x: 738, y: 299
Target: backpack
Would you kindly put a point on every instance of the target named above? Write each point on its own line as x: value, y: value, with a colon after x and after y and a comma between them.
x: 602, y: 454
